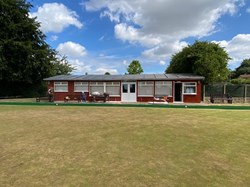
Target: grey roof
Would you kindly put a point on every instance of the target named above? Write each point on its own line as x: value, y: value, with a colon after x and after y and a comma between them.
x: 124, y: 77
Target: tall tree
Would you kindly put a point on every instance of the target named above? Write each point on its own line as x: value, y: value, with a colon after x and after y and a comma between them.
x: 244, y: 68
x: 135, y: 67
x: 202, y: 58
x: 25, y: 57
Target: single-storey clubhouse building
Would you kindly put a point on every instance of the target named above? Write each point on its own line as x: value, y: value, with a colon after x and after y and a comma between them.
x: 179, y: 88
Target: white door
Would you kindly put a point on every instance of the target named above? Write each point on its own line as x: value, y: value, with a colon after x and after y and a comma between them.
x: 128, y: 92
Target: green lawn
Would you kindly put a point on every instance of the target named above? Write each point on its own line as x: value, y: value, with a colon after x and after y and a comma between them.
x: 109, y: 146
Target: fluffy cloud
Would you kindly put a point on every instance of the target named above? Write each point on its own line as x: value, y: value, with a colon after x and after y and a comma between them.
x: 55, y: 17
x: 133, y: 35
x: 163, y: 63
x: 162, y: 25
x: 102, y: 71
x: 238, y: 48
x: 164, y: 50
x: 71, y: 49
x: 81, y: 67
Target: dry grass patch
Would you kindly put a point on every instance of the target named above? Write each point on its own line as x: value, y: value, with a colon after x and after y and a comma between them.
x: 91, y: 146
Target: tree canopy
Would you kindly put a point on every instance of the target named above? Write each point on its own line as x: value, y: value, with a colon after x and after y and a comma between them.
x: 244, y: 68
x: 107, y: 73
x: 25, y: 57
x: 202, y: 58
x: 135, y: 67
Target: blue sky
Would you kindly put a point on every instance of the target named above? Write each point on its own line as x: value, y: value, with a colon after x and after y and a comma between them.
x: 101, y: 36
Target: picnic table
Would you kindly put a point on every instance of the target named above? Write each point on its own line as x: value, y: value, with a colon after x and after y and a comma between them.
x: 99, y: 97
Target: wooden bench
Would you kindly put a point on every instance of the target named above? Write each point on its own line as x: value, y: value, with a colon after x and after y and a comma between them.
x: 42, y: 98
x: 77, y: 98
x: 160, y: 99
x: 221, y: 98
x: 103, y: 97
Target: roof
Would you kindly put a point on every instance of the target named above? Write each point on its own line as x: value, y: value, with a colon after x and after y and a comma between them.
x: 135, y: 77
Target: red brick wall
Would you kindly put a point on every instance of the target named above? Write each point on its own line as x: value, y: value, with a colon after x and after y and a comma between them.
x: 194, y: 98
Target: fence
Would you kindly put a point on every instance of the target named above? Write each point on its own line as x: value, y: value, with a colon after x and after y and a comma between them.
x: 240, y: 93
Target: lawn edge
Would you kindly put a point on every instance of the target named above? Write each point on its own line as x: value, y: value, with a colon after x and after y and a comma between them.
x: 224, y: 107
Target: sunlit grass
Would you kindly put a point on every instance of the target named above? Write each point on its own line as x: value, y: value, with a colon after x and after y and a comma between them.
x: 91, y: 146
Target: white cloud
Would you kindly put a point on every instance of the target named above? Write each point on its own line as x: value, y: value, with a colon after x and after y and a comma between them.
x: 102, y: 71
x: 238, y: 48
x: 71, y: 49
x: 55, y: 17
x: 248, y: 10
x: 54, y: 38
x: 133, y: 35
x: 81, y: 67
x: 125, y: 62
x: 164, y: 50
x: 163, y: 63
x: 162, y: 25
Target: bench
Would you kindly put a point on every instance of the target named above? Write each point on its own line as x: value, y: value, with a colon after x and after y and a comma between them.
x: 77, y: 98
x: 160, y: 99
x: 221, y: 98
x: 102, y: 97
x: 42, y: 98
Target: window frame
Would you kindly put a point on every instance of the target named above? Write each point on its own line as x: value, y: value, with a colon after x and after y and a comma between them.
x: 146, y: 84
x: 85, y: 84
x: 97, y: 84
x: 60, y: 83
x: 113, y: 84
x: 168, y: 83
x: 186, y: 85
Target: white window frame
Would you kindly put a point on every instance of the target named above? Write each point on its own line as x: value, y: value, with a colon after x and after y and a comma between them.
x: 113, y: 84
x: 189, y: 85
x: 169, y: 83
x: 98, y: 84
x: 61, y: 84
x: 85, y: 86
x: 149, y: 84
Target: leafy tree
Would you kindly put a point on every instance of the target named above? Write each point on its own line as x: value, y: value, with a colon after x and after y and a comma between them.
x: 240, y: 81
x: 25, y: 57
x: 244, y: 68
x: 107, y: 73
x: 135, y: 67
x: 202, y: 58
x: 61, y: 66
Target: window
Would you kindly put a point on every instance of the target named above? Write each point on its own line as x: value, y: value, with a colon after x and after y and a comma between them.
x: 97, y: 87
x: 61, y: 87
x: 189, y: 87
x: 131, y: 88
x: 125, y: 88
x: 163, y: 88
x: 113, y: 88
x: 81, y: 86
x: 146, y: 88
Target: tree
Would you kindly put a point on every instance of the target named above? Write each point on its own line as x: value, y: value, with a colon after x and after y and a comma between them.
x: 135, y: 67
x: 244, y: 68
x: 107, y: 73
x: 202, y: 58
x: 61, y: 66
x: 25, y: 57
